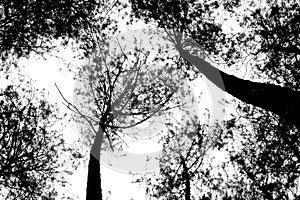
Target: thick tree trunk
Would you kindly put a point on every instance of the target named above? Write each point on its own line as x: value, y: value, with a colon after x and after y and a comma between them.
x: 93, y: 190
x: 187, y: 193
x: 279, y: 100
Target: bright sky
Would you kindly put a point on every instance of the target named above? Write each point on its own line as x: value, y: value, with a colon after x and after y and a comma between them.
x: 115, y: 185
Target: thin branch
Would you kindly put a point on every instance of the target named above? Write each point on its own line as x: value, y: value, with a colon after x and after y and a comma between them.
x: 76, y: 109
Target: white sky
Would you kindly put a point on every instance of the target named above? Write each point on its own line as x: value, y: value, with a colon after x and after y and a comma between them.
x: 46, y: 73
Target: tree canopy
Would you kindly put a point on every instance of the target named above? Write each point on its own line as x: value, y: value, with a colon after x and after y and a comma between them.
x: 34, y: 26
x: 260, y: 140
x: 29, y: 145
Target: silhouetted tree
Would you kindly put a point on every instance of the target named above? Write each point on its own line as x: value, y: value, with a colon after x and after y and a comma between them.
x: 33, y: 26
x: 268, y: 160
x: 184, y: 164
x: 266, y: 45
x: 29, y: 161
x: 280, y: 61
x: 116, y: 92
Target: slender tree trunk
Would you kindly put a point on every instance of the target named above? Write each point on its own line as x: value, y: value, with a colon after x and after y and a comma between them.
x: 187, y: 189
x: 93, y: 189
x: 279, y: 100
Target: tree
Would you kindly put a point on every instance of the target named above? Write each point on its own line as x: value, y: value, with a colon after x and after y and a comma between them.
x: 29, y: 145
x: 33, y: 26
x: 116, y: 90
x: 181, y: 15
x: 269, y: 161
x: 279, y: 149
x: 267, y: 42
x: 38, y: 26
x: 183, y: 163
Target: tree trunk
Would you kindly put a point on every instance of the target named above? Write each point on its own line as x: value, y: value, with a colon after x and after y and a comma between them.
x: 93, y: 189
x: 279, y: 100
x: 187, y: 190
